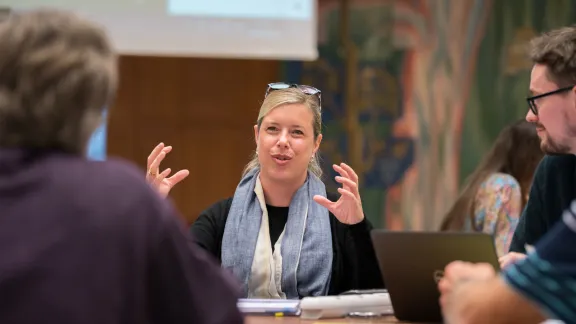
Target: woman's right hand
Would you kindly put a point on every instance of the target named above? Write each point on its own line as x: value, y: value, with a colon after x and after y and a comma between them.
x: 158, y: 180
x: 510, y: 258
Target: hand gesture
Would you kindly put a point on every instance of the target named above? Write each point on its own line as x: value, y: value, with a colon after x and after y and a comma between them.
x: 158, y: 180
x: 348, y: 209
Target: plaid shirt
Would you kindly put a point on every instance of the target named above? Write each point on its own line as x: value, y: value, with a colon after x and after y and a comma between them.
x: 548, y: 275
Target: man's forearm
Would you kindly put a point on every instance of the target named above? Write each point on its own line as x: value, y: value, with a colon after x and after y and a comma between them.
x: 494, y: 301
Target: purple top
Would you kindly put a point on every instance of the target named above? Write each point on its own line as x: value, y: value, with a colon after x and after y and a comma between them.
x: 90, y: 242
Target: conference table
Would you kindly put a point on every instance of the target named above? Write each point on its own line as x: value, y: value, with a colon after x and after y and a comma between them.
x: 297, y: 320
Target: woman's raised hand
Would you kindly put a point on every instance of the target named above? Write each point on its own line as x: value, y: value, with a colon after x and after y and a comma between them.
x: 348, y: 209
x: 159, y: 181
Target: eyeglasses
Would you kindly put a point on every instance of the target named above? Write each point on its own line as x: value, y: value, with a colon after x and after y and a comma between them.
x: 532, y: 100
x: 304, y: 88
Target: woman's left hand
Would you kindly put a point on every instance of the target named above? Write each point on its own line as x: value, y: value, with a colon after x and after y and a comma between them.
x: 348, y: 209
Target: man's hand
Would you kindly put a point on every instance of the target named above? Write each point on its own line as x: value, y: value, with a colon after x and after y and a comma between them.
x: 458, y: 289
x: 510, y: 258
x: 473, y: 293
x: 459, y: 272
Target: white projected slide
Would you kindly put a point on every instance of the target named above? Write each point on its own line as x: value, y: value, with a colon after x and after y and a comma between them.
x: 279, y: 9
x: 274, y: 29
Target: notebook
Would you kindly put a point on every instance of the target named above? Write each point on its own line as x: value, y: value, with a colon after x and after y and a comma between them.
x: 273, y: 307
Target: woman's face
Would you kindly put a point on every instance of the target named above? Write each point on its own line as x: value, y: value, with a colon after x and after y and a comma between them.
x: 285, y: 143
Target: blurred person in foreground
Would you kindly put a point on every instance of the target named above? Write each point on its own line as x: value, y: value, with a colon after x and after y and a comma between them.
x: 81, y: 241
x: 538, y: 287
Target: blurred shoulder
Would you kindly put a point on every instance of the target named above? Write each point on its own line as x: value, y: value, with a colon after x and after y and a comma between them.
x: 114, y: 185
x: 113, y: 174
x: 499, y: 181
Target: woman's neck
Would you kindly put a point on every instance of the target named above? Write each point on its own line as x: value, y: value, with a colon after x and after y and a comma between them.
x: 279, y: 194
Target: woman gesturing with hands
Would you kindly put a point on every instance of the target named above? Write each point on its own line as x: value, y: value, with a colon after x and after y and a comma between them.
x: 348, y: 208
x: 159, y: 180
x: 282, y: 234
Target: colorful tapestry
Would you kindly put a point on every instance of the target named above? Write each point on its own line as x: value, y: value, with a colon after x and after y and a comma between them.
x: 436, y: 81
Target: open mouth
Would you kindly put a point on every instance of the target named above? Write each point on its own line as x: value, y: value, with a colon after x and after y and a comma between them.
x: 281, y: 158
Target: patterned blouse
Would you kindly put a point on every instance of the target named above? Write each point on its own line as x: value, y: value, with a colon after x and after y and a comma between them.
x: 498, y: 206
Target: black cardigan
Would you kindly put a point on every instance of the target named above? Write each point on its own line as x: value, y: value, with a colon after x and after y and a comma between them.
x: 354, y: 265
x: 552, y: 191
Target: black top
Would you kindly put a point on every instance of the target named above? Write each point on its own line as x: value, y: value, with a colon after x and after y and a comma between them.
x: 91, y: 242
x: 552, y: 191
x: 277, y: 218
x: 354, y: 264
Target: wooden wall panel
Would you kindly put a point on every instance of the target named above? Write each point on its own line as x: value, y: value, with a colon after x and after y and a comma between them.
x: 204, y: 108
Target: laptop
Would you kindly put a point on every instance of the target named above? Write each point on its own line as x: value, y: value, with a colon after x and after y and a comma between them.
x: 412, y: 263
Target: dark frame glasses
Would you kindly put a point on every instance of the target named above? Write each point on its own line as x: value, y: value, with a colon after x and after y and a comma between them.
x: 309, y: 90
x: 532, y: 103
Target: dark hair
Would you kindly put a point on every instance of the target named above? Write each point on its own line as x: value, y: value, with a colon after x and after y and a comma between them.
x: 57, y: 74
x: 516, y: 152
x: 556, y: 49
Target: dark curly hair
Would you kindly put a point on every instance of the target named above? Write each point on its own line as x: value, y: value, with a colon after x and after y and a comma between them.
x: 556, y: 49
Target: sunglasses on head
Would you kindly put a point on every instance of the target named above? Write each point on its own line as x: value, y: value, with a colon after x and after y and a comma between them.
x: 304, y: 88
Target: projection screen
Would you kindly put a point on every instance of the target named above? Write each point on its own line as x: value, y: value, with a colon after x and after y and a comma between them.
x: 265, y: 29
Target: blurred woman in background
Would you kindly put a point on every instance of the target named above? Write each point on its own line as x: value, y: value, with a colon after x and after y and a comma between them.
x: 497, y: 191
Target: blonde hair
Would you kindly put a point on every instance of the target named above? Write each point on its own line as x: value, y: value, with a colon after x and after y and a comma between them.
x: 57, y: 74
x: 287, y: 97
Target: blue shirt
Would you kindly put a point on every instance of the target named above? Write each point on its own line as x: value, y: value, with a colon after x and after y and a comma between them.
x: 547, y: 276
